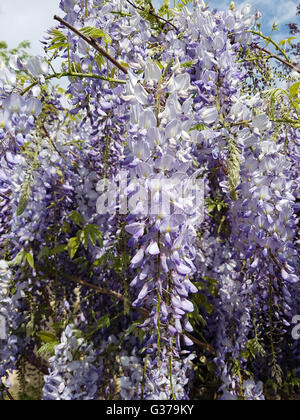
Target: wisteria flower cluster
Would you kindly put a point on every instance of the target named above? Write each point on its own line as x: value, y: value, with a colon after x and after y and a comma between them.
x: 149, y: 224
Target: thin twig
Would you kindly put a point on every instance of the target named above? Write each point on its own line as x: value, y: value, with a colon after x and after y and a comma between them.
x: 154, y: 15
x: 292, y: 66
x: 199, y: 343
x: 52, y: 142
x: 102, y: 291
x: 93, y: 43
x: 144, y: 311
x: 270, y: 40
x: 36, y: 361
x: 10, y: 397
x: 97, y: 289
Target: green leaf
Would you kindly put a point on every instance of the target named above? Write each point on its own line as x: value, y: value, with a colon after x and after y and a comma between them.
x: 187, y: 64
x: 100, y: 61
x: 287, y: 41
x: 24, y: 198
x: 47, y: 350
x: 73, y: 246
x: 59, y: 249
x: 202, y: 301
x: 58, y: 35
x: 165, y: 7
x: 58, y: 45
x: 132, y: 328
x: 46, y: 336
x: 19, y: 259
x: 30, y: 259
x: 83, y: 237
x: 198, y: 127
x: 295, y: 89
x: 245, y: 354
x: 93, y: 32
x: 76, y: 218
x: 124, y: 64
x: 30, y: 327
x: 59, y: 40
x: 45, y: 252
x: 94, y: 234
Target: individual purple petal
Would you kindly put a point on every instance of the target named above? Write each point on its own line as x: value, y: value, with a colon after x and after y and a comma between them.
x: 153, y: 248
x: 138, y: 258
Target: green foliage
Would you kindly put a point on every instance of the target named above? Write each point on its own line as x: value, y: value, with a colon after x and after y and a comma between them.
x: 216, y: 205
x: 73, y: 246
x: 100, y: 61
x: 76, y: 218
x: 93, y: 32
x: 21, y: 51
x: 183, y: 3
x: 254, y: 349
x: 59, y: 40
x: 49, y: 341
x: 165, y: 8
x: 24, y: 257
x: 294, y: 91
x: 47, y: 350
x: 288, y: 41
x: 138, y: 332
x: 46, y: 337
x: 275, y: 99
x: 24, y: 198
x: 89, y: 232
x: 30, y: 259
x: 208, y: 287
x: 198, y: 127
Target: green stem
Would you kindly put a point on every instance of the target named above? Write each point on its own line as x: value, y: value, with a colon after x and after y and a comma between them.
x: 270, y: 40
x: 158, y: 300
x: 286, y: 121
x: 241, y: 381
x: 106, y: 156
x: 144, y: 377
x: 171, y: 378
x: 271, y: 320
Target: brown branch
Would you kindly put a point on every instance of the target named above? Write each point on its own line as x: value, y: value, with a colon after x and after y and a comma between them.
x: 144, y: 311
x: 10, y: 397
x: 103, y: 291
x: 272, y: 55
x: 97, y: 289
x: 199, y: 343
x: 93, y: 43
x: 154, y: 15
x: 36, y: 362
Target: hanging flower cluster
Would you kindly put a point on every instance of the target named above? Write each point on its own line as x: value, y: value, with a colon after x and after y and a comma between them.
x: 149, y: 211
